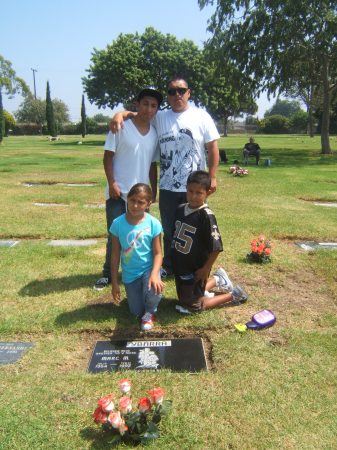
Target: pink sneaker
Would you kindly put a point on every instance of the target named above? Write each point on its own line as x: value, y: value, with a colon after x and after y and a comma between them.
x: 147, y: 321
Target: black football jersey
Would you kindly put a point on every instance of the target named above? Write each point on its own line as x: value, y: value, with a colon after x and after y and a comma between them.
x: 196, y: 236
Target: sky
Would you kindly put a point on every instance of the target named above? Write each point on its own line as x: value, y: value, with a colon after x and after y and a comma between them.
x: 57, y: 39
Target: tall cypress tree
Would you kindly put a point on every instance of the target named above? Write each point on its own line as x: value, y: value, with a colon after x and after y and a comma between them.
x: 2, y: 119
x: 50, y: 114
x: 83, y: 118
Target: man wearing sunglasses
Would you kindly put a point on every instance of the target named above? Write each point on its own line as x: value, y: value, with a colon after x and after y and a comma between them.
x: 184, y: 132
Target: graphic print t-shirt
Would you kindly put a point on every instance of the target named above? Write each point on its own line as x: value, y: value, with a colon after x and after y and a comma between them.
x: 196, y: 236
x: 182, y: 138
x: 136, y: 245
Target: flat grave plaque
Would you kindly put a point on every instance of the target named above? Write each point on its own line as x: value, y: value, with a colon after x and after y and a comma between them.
x: 179, y: 355
x: 310, y: 245
x: 10, y: 352
x: 327, y: 204
x: 72, y: 242
x: 4, y: 243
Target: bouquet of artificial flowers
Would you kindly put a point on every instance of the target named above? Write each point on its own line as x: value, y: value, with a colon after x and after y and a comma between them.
x: 123, y: 424
x: 238, y: 171
x: 260, y: 250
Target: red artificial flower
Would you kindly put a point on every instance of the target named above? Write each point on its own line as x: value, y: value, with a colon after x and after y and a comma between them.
x: 100, y: 416
x: 123, y: 427
x: 124, y: 385
x: 125, y: 405
x: 267, y: 251
x: 144, y: 404
x: 115, y: 419
x: 260, y: 249
x: 157, y: 395
x: 106, y: 403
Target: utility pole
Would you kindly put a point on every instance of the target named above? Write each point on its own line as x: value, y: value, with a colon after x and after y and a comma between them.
x: 34, y: 70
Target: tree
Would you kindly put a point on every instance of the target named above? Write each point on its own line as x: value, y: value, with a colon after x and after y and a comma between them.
x: 10, y: 84
x: 272, y: 41
x: 101, y: 118
x: 284, y: 108
x: 83, y: 118
x: 33, y: 110
x: 9, y: 122
x: 133, y: 61
x: 51, y: 125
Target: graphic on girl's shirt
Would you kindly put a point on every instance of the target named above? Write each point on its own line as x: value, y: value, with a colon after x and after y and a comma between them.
x: 134, y: 239
x: 178, y: 159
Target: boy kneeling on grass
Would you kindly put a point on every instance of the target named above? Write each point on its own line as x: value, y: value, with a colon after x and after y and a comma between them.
x: 195, y: 247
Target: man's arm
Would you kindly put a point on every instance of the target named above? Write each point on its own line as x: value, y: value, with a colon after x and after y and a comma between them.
x: 114, y: 191
x: 153, y: 180
x: 117, y: 122
x: 213, y: 161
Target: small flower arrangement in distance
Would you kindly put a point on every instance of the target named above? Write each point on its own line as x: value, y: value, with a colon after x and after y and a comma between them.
x: 260, y: 250
x: 122, y: 424
x: 238, y: 171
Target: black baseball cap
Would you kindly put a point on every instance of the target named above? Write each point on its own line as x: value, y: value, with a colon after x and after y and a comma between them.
x: 150, y: 91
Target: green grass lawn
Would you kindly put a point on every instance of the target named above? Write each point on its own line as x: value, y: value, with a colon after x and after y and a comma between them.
x: 272, y: 389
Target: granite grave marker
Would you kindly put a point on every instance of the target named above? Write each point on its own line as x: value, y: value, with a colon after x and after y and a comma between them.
x: 179, y: 355
x: 10, y: 352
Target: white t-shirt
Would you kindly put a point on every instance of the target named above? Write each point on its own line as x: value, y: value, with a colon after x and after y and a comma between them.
x: 182, y: 138
x: 133, y: 155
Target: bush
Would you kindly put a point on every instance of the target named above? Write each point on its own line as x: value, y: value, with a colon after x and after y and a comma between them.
x: 276, y: 124
x: 298, y: 122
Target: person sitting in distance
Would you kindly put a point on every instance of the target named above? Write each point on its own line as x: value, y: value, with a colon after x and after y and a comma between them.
x: 251, y: 149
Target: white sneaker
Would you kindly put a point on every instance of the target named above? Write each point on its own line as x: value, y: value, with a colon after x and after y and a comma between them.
x: 147, y: 321
x: 223, y: 281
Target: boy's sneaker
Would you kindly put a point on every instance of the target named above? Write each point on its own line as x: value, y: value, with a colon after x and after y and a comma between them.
x: 223, y: 283
x: 147, y: 321
x: 182, y: 310
x: 239, y: 296
x: 101, y: 284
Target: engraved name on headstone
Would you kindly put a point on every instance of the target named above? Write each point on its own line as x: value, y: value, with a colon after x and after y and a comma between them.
x: 179, y: 355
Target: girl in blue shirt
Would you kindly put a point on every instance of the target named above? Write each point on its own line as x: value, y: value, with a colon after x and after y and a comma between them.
x: 136, y: 244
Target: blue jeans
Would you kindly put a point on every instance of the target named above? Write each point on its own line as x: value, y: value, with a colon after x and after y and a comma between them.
x: 140, y: 299
x: 113, y: 208
x: 168, y: 203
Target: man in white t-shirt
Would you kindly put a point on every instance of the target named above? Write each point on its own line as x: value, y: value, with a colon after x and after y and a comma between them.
x: 183, y: 133
x: 129, y: 157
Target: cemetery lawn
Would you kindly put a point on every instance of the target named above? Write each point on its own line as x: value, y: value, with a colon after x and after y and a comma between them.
x: 269, y: 389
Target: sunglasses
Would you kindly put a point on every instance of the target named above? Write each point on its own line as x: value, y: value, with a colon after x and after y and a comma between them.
x: 173, y: 91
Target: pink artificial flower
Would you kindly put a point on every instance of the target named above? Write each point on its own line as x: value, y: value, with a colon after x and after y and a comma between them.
x: 106, y: 403
x: 262, y: 238
x: 123, y: 427
x: 100, y: 416
x: 125, y: 405
x: 144, y: 405
x: 157, y: 395
x: 124, y: 385
x: 115, y: 419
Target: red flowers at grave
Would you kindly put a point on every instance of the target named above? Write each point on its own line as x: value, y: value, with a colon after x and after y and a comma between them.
x: 260, y: 250
x: 238, y: 171
x: 121, y: 424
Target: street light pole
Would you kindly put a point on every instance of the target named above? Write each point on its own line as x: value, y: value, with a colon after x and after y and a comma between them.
x: 34, y: 70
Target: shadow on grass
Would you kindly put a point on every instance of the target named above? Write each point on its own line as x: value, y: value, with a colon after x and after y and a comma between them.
x: 99, y: 440
x: 287, y: 158
x: 125, y: 324
x: 63, y: 284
